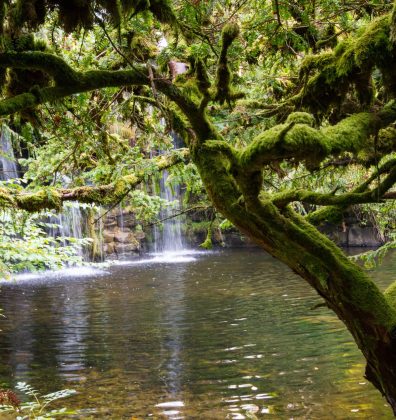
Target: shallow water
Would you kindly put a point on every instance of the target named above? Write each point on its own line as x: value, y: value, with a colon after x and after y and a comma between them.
x: 213, y: 336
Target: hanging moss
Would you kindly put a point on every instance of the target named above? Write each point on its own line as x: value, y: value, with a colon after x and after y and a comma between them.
x: 3, y: 12
x: 114, y: 10
x: 203, y: 81
x: 207, y: 243
x: 392, y: 35
x: 95, y: 250
x: 224, y: 76
x: 332, y: 75
x: 163, y: 11
x: 21, y: 80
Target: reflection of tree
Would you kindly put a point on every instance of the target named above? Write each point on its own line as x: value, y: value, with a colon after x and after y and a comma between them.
x: 171, y: 291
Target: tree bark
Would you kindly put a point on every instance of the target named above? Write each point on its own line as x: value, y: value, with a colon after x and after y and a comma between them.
x: 346, y: 289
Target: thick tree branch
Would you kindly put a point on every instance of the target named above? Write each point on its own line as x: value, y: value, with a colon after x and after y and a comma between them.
x: 55, y: 66
x: 298, y: 140
x: 224, y: 75
x: 335, y: 213
x: 52, y: 198
x: 347, y: 199
x: 69, y: 82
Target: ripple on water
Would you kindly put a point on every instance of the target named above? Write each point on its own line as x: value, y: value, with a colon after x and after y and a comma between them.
x: 228, y: 334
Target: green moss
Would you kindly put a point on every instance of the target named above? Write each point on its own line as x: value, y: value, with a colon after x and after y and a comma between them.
x: 331, y: 76
x: 224, y: 75
x: 390, y: 295
x: 207, y: 243
x: 301, y: 118
x: 6, y: 199
x: 47, y: 198
x: 356, y: 289
x: 229, y: 34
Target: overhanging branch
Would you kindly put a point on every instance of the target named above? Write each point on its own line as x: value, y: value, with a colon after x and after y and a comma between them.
x: 52, y: 198
x: 69, y: 82
x: 297, y: 140
x: 334, y: 212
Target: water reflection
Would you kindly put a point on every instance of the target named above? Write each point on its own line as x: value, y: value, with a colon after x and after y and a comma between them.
x: 227, y: 335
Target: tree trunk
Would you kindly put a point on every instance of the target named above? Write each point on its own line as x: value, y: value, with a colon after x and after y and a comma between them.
x: 344, y: 286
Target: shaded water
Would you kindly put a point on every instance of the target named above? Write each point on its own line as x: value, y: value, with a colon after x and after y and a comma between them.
x: 214, y: 338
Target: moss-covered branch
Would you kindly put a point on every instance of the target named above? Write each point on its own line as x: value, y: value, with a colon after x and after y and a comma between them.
x: 343, y: 200
x: 224, y: 75
x: 334, y: 213
x: 69, y: 82
x: 52, y: 198
x: 60, y: 71
x: 297, y: 139
x: 328, y: 78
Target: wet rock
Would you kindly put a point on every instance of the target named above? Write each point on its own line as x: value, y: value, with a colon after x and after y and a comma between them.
x: 111, y: 224
x: 363, y: 236
x: 109, y: 248
x: 122, y: 248
x: 108, y: 236
x: 124, y: 237
x: 126, y: 219
x: 139, y: 235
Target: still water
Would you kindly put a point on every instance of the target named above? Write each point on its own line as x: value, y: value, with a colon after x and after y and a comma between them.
x: 212, y: 336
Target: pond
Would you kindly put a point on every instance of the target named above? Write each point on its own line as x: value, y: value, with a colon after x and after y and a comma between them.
x: 210, y: 336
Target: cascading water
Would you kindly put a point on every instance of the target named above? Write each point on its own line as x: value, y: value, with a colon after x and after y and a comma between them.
x: 69, y: 224
x: 73, y: 222
x: 8, y: 166
x: 169, y: 239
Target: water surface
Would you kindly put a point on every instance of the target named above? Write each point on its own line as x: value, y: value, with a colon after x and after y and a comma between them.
x: 213, y: 336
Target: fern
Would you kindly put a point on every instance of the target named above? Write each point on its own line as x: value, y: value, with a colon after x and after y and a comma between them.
x: 37, y: 409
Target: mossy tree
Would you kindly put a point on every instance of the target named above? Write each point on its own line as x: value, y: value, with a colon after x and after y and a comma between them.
x: 233, y: 175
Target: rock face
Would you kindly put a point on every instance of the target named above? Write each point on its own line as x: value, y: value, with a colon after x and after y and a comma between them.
x: 122, y: 234
x: 352, y: 233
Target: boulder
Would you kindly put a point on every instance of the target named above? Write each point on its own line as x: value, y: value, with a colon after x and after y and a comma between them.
x: 110, y: 224
x: 122, y: 248
x: 126, y: 219
x: 363, y: 236
x: 124, y: 237
x: 108, y: 236
x: 109, y: 248
x: 139, y: 235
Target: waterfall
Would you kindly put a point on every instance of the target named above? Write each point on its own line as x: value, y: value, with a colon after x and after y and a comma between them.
x: 169, y: 238
x: 73, y: 222
x: 69, y: 224
x: 8, y: 166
